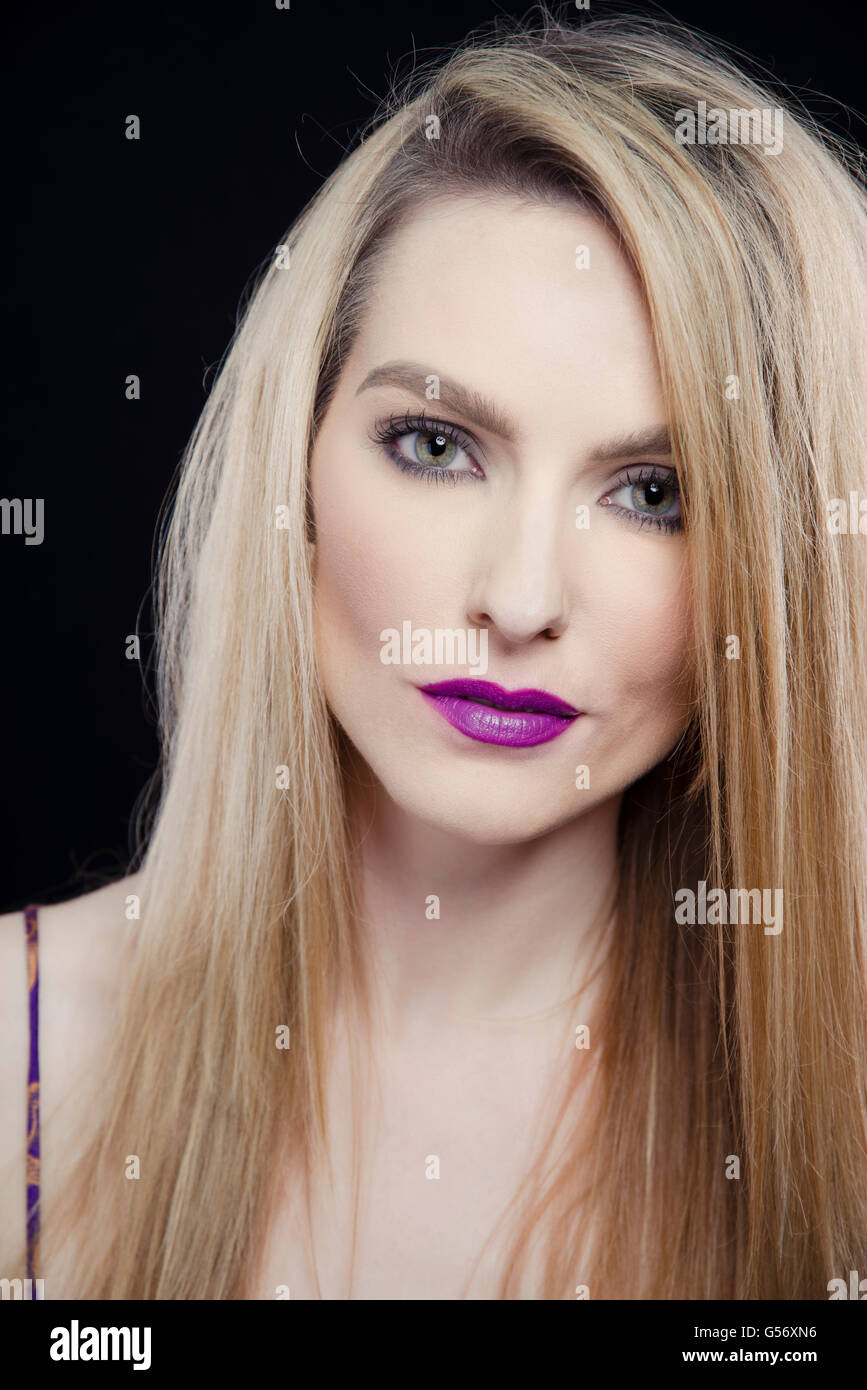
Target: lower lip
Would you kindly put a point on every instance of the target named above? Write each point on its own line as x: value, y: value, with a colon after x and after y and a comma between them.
x: 510, y: 728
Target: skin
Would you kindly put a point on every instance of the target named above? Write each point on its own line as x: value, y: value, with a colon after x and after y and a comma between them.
x: 476, y: 1011
x: 487, y: 292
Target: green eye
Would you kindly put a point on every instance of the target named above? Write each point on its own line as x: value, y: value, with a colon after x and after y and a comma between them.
x: 430, y: 449
x: 434, y: 450
x: 653, y: 497
x: 648, y: 496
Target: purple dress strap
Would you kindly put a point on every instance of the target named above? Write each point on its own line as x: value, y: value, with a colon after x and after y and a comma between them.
x: 30, y: 919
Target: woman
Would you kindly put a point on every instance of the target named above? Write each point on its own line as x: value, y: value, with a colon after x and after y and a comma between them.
x: 501, y: 928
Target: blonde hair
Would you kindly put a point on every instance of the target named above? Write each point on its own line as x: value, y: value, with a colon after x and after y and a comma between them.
x: 719, y: 1040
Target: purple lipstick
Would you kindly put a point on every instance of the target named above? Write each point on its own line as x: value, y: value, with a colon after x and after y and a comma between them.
x: 490, y: 714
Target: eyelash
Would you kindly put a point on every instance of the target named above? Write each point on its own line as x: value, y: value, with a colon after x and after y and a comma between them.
x: 647, y: 473
x: 385, y: 432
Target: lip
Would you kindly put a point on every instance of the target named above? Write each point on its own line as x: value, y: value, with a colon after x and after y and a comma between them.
x: 488, y: 713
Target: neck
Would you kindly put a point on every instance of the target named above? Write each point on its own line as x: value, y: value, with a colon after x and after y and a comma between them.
x: 455, y: 929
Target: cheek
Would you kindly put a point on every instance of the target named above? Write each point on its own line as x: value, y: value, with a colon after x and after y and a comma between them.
x: 642, y: 629
x: 350, y: 585
x: 380, y: 558
x: 370, y: 565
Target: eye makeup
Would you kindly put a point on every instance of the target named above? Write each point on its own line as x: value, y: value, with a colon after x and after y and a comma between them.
x: 653, y: 487
x: 450, y: 439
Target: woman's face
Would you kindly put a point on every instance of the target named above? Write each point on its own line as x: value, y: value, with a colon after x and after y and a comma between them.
x: 525, y: 510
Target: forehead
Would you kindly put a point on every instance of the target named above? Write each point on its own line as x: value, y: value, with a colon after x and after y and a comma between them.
x: 533, y: 304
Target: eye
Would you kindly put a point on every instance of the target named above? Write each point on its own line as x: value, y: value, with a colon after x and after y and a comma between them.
x: 427, y: 448
x: 647, y: 496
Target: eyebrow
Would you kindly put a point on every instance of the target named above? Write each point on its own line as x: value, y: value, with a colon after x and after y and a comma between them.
x: 655, y: 440
x: 484, y: 413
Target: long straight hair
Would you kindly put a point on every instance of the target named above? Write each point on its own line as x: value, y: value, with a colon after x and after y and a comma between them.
x: 728, y: 1156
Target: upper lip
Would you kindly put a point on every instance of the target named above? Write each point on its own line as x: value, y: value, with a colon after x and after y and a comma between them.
x: 539, y: 701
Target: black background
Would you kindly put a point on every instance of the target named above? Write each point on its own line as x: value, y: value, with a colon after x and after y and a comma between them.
x: 131, y: 257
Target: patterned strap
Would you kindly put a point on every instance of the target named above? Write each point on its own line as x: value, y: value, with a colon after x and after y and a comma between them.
x: 30, y: 919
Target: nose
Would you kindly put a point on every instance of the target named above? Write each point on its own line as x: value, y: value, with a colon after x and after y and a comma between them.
x: 519, y: 585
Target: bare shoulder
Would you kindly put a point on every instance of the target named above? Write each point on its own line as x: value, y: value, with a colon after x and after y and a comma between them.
x: 82, y: 944
x: 82, y: 955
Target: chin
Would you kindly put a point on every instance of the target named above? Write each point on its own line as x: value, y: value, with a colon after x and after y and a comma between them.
x: 476, y: 814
